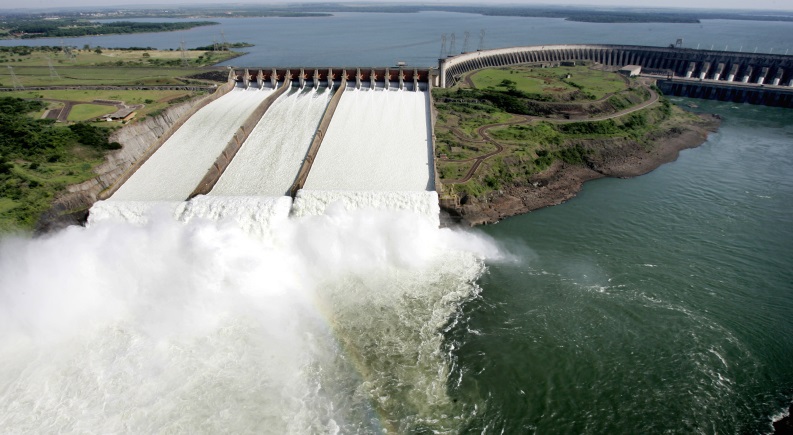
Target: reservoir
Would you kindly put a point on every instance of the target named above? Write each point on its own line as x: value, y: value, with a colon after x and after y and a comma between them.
x: 655, y: 304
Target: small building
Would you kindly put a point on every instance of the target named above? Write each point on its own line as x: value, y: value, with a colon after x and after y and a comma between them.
x: 568, y: 63
x: 124, y: 114
x: 631, y: 70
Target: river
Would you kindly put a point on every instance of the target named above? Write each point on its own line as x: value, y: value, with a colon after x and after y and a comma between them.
x: 655, y: 304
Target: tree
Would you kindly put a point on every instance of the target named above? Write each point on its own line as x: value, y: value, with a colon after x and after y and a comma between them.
x: 507, y: 83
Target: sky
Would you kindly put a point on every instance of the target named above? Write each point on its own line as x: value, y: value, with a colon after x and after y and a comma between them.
x: 786, y: 5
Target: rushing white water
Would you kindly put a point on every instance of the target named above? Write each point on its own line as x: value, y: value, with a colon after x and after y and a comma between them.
x: 377, y: 141
x: 137, y: 212
x: 175, y: 170
x: 268, y: 162
x: 228, y: 314
x: 317, y: 202
x: 319, y: 324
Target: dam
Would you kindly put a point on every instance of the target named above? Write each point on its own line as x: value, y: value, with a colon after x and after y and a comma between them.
x: 307, y: 137
x: 754, y: 78
x: 318, y: 136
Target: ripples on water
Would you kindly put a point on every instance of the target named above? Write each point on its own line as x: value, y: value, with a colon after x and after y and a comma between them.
x: 654, y: 304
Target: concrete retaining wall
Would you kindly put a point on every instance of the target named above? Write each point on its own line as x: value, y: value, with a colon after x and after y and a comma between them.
x: 433, y: 119
x: 224, y: 159
x: 302, y: 174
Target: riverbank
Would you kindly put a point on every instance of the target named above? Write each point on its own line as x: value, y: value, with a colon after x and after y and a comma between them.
x: 562, y: 181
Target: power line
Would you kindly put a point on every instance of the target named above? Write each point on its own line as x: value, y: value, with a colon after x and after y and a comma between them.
x: 14, y: 80
x: 465, y: 41
x: 184, y: 55
x: 53, y: 73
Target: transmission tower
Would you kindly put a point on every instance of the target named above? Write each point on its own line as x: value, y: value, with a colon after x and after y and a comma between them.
x: 225, y: 46
x: 184, y: 54
x: 481, y: 39
x: 53, y: 73
x: 443, y: 46
x: 452, y: 47
x: 14, y: 80
x: 465, y: 41
x: 214, y: 44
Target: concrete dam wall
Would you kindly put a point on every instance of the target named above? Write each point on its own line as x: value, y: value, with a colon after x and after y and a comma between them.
x: 401, y: 77
x: 719, y: 66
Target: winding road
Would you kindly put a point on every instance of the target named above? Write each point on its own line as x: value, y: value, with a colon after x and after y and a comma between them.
x: 524, y: 119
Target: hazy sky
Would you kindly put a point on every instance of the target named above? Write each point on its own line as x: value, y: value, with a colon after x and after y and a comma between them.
x: 704, y: 4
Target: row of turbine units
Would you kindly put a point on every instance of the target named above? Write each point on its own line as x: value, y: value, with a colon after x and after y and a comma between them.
x: 248, y: 153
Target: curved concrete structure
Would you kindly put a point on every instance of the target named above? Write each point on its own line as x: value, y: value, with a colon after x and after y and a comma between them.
x: 723, y: 66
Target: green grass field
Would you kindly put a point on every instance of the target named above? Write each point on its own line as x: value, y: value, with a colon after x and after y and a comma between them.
x: 553, y: 81
x: 153, y: 100
x: 95, y: 75
x: 88, y: 96
x: 111, y: 67
x: 84, y: 112
x: 453, y: 170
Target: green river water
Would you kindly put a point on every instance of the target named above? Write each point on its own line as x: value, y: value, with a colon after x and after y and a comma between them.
x: 660, y: 303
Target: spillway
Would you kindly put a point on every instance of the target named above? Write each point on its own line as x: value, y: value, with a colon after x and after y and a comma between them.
x: 176, y: 168
x: 377, y: 155
x: 378, y: 140
x: 270, y: 159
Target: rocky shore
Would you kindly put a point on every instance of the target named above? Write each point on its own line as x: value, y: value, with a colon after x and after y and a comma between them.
x: 609, y: 158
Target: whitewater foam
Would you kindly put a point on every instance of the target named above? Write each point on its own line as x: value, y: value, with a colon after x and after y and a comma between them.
x: 315, y: 202
x: 193, y: 320
x: 268, y: 162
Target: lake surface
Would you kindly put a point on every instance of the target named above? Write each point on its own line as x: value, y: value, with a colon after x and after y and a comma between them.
x: 381, y: 39
x: 655, y: 304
